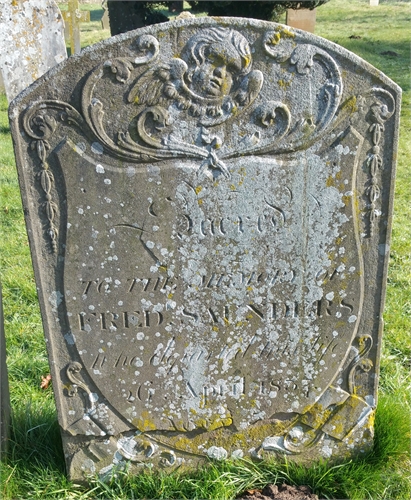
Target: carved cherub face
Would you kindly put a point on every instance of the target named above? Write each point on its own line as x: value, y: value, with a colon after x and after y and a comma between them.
x: 216, y: 58
x: 214, y: 76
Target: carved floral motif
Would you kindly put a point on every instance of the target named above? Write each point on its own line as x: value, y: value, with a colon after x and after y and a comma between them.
x: 41, y: 125
x: 380, y: 112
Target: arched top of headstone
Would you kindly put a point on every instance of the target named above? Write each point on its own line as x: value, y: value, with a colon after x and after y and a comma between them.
x: 284, y: 88
x: 209, y: 204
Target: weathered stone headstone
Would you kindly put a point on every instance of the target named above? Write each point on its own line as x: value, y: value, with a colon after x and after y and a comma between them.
x: 374, y: 3
x: 209, y: 205
x: 73, y: 17
x: 31, y: 41
x: 2, y: 88
x: 303, y: 19
x: 4, y: 388
x: 105, y: 20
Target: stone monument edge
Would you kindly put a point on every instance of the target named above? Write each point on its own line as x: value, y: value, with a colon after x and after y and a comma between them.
x: 206, y: 21
x: 16, y: 109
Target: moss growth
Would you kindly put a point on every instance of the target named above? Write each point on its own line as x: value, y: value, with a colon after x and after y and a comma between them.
x: 350, y: 105
x: 283, y: 84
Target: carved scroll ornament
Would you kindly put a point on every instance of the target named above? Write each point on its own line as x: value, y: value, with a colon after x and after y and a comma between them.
x: 210, y: 86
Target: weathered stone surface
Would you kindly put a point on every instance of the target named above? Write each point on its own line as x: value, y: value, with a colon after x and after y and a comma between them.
x: 2, y: 88
x: 4, y: 388
x: 31, y: 41
x: 209, y: 204
x: 105, y: 20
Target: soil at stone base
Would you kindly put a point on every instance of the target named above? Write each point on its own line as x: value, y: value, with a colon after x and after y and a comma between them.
x: 282, y: 492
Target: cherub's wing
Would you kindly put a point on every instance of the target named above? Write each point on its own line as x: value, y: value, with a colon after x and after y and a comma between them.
x: 249, y: 89
x: 159, y: 84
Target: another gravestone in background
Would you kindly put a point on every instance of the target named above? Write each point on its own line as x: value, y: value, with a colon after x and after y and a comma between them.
x: 73, y: 17
x: 209, y: 203
x: 303, y: 19
x: 2, y: 89
x: 31, y: 41
x: 105, y: 20
x: 4, y: 388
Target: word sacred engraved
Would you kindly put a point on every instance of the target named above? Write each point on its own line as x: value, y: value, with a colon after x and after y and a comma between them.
x: 236, y: 225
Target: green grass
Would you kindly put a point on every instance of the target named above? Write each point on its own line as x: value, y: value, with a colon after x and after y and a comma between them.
x: 35, y: 465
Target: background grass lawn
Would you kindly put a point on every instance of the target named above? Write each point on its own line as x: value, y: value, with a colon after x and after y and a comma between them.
x: 35, y: 465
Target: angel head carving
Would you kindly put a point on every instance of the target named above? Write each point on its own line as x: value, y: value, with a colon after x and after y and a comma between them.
x: 211, y: 79
x: 216, y: 58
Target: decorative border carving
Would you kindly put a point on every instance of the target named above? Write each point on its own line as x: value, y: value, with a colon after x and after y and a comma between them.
x: 41, y: 126
x: 380, y: 112
x: 166, y: 81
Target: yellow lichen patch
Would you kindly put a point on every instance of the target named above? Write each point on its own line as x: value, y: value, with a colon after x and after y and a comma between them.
x: 136, y: 100
x: 330, y: 181
x: 350, y: 105
x: 316, y: 416
x: 346, y: 200
x: 218, y: 435
x: 286, y: 33
x: 275, y: 39
x: 144, y: 422
x: 283, y: 84
x: 200, y: 202
x: 198, y: 189
x: 281, y: 33
x: 356, y: 206
x: 259, y: 432
x: 216, y: 422
x: 339, y: 428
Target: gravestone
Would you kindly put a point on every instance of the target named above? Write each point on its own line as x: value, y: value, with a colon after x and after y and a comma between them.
x: 105, y: 20
x: 73, y: 17
x: 31, y: 40
x: 2, y: 88
x: 4, y: 388
x: 303, y: 19
x: 209, y: 205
